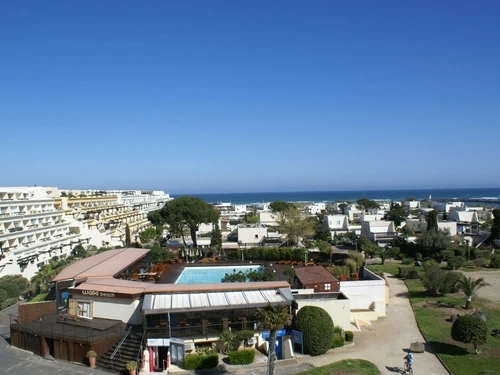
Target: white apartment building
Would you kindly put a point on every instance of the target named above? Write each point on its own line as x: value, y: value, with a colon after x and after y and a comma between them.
x: 38, y: 223
x: 33, y: 230
x: 142, y: 200
x: 378, y: 230
x: 446, y: 206
x: 354, y: 214
x: 316, y: 208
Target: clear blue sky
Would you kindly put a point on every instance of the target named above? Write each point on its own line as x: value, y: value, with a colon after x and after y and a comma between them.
x: 244, y: 96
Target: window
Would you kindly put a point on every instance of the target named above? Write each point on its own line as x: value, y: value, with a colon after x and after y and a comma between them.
x: 85, y: 309
x: 328, y: 287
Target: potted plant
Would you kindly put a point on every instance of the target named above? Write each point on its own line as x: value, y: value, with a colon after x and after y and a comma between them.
x: 91, y: 355
x: 131, y: 366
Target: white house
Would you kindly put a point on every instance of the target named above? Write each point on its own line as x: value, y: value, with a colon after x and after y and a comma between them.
x: 353, y: 213
x: 378, y: 230
x: 251, y: 234
x: 267, y: 218
x: 336, y: 207
x: 371, y: 217
x: 412, y: 205
x: 446, y: 206
x: 467, y: 221
x: 337, y: 223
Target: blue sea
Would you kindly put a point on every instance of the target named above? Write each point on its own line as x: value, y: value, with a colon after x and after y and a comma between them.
x: 335, y: 196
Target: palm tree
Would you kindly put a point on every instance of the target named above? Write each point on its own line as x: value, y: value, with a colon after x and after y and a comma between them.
x: 42, y: 278
x: 274, y: 318
x: 227, y: 341
x: 469, y: 287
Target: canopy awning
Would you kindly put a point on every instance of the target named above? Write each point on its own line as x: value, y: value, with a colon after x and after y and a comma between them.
x: 215, y: 300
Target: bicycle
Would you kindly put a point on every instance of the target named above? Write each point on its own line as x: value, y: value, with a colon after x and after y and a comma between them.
x: 408, y: 369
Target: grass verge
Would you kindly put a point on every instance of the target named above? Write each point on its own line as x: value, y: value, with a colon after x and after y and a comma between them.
x: 345, y: 367
x: 433, y: 313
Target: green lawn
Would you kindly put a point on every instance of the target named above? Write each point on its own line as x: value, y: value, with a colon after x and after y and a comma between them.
x: 345, y: 367
x: 436, y: 329
x: 388, y: 267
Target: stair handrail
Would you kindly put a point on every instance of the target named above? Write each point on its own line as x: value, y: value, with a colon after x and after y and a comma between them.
x: 122, y: 340
x: 139, y: 353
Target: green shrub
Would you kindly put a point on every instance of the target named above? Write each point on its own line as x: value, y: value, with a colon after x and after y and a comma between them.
x: 39, y: 298
x: 196, y: 361
x: 495, y: 260
x: 446, y: 254
x: 349, y: 336
x: 317, y: 329
x: 351, y: 264
x: 395, y: 252
x: 408, y: 261
x: 21, y: 282
x: 3, y: 295
x: 245, y: 334
x: 356, y: 257
x: 11, y: 289
x: 479, y: 262
x: 337, y: 341
x: 406, y: 272
x: 455, y: 262
x: 338, y: 331
x: 241, y: 357
x: 8, y: 302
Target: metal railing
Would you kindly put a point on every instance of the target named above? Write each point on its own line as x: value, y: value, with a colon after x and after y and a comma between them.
x: 122, y: 340
x: 200, y: 331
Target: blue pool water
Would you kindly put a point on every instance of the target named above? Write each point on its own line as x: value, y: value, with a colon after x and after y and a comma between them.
x: 207, y: 275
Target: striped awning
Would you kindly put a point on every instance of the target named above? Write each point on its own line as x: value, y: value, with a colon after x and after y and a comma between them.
x: 214, y: 300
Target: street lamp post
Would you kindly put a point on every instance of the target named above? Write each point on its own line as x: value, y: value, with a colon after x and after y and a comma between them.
x: 468, y: 251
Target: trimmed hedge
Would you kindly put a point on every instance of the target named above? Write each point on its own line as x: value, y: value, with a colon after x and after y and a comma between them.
x: 245, y: 334
x: 8, y: 302
x: 495, y: 260
x: 241, y: 357
x: 349, y: 336
x: 196, y: 361
x: 337, y: 341
x: 317, y: 329
x: 408, y: 261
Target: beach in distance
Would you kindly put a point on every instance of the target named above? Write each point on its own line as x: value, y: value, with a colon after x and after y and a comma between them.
x: 467, y: 195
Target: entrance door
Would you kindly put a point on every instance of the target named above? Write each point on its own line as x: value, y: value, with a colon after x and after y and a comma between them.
x: 177, y: 353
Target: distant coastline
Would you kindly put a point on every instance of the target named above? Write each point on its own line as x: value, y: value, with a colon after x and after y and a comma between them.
x: 479, y: 195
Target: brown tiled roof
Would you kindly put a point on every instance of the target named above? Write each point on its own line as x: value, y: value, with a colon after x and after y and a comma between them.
x: 313, y: 275
x: 106, y: 264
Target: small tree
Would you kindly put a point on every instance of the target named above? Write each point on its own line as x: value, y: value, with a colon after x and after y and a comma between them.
x: 383, y: 253
x: 274, y: 318
x: 289, y: 272
x: 227, y: 341
x: 470, y: 329
x: 469, y: 286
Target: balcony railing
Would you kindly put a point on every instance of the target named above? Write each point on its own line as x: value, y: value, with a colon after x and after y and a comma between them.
x: 200, y: 331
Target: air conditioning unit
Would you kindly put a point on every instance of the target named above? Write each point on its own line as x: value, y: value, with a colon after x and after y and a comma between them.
x: 251, y: 341
x: 189, y: 346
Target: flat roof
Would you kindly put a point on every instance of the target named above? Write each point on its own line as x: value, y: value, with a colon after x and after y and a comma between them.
x: 103, y: 265
x: 179, y: 288
x: 313, y: 275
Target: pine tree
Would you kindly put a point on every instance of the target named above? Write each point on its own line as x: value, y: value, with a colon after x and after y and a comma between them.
x: 216, y: 238
x: 128, y: 242
x: 432, y: 223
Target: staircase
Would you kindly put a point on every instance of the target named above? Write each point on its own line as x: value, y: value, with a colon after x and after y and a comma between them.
x: 129, y: 350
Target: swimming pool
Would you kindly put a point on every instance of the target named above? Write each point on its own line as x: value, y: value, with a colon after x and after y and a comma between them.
x: 207, y: 275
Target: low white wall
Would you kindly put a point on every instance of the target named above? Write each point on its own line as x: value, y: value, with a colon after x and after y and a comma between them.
x: 339, y: 309
x: 366, y: 294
